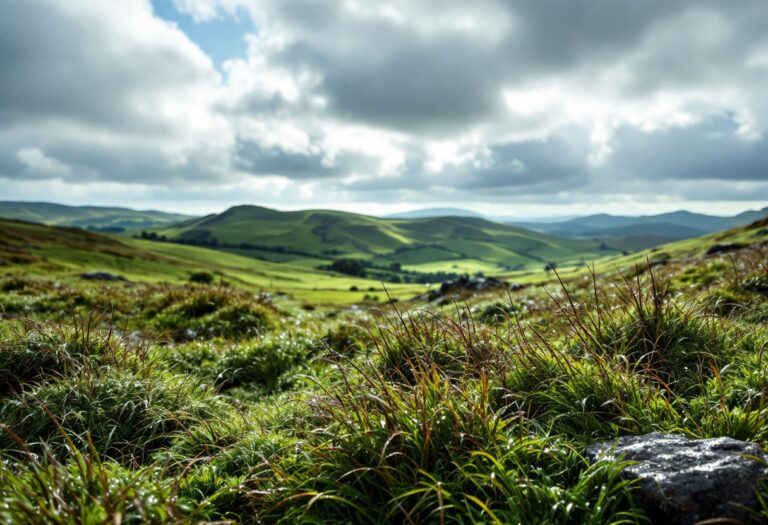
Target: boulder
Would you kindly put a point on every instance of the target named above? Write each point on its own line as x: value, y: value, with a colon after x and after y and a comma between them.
x: 684, y: 481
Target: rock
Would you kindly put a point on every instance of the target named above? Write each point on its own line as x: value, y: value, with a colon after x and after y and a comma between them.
x: 453, y: 289
x: 683, y: 481
x: 724, y: 248
x: 101, y: 276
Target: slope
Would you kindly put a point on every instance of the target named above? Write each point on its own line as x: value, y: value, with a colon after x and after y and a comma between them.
x: 324, y: 235
x: 67, y: 252
x: 683, y: 222
x: 94, y: 217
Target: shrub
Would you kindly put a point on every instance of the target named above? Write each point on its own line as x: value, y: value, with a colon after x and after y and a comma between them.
x: 261, y: 363
x: 432, y: 452
x: 676, y: 345
x: 408, y: 345
x: 499, y: 312
x: 41, y: 352
x: 126, y: 414
x: 201, y: 277
x: 346, y: 339
x: 85, y: 490
x: 15, y: 283
x: 210, y: 313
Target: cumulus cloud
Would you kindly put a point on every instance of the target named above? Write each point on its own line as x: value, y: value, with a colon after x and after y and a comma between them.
x: 110, y: 90
x: 529, y: 101
x: 38, y: 164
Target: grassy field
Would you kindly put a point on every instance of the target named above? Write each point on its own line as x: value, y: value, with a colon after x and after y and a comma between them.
x: 67, y: 253
x: 86, y: 216
x: 160, y: 400
x: 418, y: 244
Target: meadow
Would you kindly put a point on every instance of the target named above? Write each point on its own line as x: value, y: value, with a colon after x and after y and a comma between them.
x: 213, y: 387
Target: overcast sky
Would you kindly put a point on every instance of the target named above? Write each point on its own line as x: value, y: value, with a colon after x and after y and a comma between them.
x: 529, y: 107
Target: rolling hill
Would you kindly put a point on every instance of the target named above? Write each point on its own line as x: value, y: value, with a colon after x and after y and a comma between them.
x: 449, y: 244
x: 93, y: 217
x: 644, y: 231
x: 64, y: 253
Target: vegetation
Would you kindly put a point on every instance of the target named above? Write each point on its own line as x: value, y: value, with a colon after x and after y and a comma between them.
x: 65, y: 253
x: 162, y: 400
x: 422, y: 245
x: 110, y: 220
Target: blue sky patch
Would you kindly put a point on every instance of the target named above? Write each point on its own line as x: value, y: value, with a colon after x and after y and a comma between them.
x: 221, y: 38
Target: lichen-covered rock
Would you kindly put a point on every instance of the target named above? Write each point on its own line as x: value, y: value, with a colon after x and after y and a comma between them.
x: 684, y: 481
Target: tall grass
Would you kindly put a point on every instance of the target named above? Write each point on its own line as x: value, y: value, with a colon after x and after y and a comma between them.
x: 476, y: 415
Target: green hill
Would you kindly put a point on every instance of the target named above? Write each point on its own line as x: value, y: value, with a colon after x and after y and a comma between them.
x: 92, y: 217
x: 64, y: 253
x: 643, y: 232
x: 458, y: 244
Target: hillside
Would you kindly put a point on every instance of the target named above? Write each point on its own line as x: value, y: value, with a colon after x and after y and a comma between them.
x: 644, y: 231
x: 65, y: 253
x: 460, y: 244
x: 93, y: 217
x: 171, y: 402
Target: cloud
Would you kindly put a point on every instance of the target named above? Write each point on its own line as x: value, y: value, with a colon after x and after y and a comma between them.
x: 38, y: 164
x: 110, y: 90
x: 427, y: 100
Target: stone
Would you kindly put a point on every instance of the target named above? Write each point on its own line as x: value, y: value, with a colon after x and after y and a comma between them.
x: 724, y: 248
x: 683, y: 481
x: 466, y: 283
x: 101, y: 276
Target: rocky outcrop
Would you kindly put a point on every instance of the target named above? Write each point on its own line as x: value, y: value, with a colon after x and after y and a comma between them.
x: 684, y: 481
x: 470, y: 284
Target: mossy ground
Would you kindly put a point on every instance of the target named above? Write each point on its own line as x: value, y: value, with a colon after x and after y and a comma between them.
x: 155, y: 403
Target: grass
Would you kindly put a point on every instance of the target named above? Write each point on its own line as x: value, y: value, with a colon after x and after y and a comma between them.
x: 430, y: 244
x: 62, y: 253
x: 85, y: 216
x: 152, y: 402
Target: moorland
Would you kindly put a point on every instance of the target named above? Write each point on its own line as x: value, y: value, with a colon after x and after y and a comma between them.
x: 218, y: 369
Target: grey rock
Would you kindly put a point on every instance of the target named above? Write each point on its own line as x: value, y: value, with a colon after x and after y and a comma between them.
x: 684, y: 481
x: 101, y: 276
x: 725, y: 248
x: 469, y: 284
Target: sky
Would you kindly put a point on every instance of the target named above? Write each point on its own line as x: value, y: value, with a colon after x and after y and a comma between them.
x: 518, y: 108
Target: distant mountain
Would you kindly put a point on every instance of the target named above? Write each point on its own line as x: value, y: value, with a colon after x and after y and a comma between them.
x: 433, y: 243
x: 434, y: 212
x: 99, y: 218
x: 656, y: 229
x: 461, y: 212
